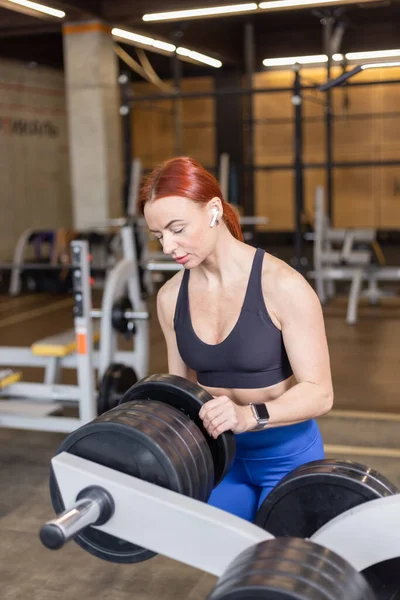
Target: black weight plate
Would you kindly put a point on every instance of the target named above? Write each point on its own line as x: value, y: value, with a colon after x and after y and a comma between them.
x: 376, y: 487
x: 381, y: 482
x: 189, y: 398
x: 165, y: 435
x: 122, y: 442
x: 118, y: 320
x: 198, y: 453
x: 205, y: 465
x: 290, y: 569
x: 160, y: 419
x: 164, y: 416
x: 384, y: 579
x: 116, y: 380
x: 310, y: 496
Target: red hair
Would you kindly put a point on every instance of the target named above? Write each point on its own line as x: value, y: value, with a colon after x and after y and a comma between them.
x: 184, y: 176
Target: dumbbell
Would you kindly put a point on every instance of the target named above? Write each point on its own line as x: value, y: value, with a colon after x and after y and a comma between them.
x: 154, y: 434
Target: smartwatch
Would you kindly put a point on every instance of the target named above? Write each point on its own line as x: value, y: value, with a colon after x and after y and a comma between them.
x: 261, y: 415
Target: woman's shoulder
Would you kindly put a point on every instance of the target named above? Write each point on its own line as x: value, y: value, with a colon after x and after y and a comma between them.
x: 281, y: 282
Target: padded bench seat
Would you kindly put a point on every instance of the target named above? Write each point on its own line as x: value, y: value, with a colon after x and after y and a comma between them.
x: 60, y: 344
x: 8, y: 377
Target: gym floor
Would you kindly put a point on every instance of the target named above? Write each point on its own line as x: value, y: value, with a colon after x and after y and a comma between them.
x: 363, y: 426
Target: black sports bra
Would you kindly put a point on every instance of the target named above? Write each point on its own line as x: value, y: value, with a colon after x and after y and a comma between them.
x: 253, y: 355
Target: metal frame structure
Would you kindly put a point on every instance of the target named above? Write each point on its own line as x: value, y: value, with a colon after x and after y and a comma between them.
x: 298, y: 165
x: 346, y: 263
x: 181, y: 528
x: 20, y: 402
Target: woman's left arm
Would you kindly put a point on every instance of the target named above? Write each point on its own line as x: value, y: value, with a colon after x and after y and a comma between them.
x: 303, y: 331
x: 299, y: 313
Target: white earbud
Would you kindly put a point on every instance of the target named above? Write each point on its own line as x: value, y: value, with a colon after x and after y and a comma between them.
x: 215, y: 215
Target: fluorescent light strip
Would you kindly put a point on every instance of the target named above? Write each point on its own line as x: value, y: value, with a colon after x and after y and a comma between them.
x: 147, y: 41
x: 142, y: 39
x: 292, y: 60
x: 382, y: 65
x: 374, y: 54
x: 40, y: 8
x: 200, y: 12
x: 288, y: 3
x: 322, y: 58
x: 199, y: 57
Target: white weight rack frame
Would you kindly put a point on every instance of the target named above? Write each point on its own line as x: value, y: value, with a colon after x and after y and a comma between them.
x: 206, y: 537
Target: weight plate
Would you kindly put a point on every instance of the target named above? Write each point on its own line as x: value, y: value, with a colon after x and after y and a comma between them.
x: 116, y: 380
x: 129, y: 444
x: 199, y: 457
x: 290, y: 569
x: 312, y: 495
x: 118, y: 320
x: 381, y: 482
x: 384, y: 579
x: 204, y: 460
x: 159, y: 418
x: 189, y: 398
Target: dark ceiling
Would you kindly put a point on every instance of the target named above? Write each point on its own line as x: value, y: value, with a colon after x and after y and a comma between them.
x: 369, y: 26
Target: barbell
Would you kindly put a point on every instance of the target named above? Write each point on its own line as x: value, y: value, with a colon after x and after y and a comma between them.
x: 123, y: 316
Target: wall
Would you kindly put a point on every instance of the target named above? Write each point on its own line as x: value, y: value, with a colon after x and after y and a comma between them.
x: 366, y: 128
x: 34, y: 162
x: 153, y: 125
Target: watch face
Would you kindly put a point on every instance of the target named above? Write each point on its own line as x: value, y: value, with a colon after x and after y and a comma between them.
x: 262, y: 411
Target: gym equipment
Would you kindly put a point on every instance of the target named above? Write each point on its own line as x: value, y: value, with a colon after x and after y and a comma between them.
x: 150, y: 518
x: 141, y: 438
x: 317, y: 492
x: 121, y: 316
x: 8, y: 377
x: 368, y: 535
x: 284, y: 569
x: 37, y: 405
x: 384, y: 579
x: 346, y: 264
x: 115, y: 382
x: 124, y: 280
x: 189, y: 398
x: 45, y: 272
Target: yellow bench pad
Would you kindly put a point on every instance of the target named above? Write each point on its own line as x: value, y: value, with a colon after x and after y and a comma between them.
x: 61, y: 344
x: 8, y: 377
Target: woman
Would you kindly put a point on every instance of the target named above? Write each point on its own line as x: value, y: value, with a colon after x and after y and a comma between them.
x: 246, y: 327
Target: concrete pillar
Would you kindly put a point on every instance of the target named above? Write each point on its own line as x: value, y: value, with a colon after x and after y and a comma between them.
x: 95, y: 137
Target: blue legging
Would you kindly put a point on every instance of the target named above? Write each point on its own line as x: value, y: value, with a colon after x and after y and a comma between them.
x: 262, y: 459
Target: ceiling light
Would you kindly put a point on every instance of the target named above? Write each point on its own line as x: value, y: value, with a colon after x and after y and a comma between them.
x: 142, y: 39
x: 293, y: 60
x: 284, y: 4
x: 200, y: 12
x: 372, y: 54
x: 40, y: 7
x: 199, y: 57
x: 322, y: 58
x: 148, y: 41
x: 276, y: 4
x: 380, y: 65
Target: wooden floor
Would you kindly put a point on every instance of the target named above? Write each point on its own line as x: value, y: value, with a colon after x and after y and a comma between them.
x: 366, y: 374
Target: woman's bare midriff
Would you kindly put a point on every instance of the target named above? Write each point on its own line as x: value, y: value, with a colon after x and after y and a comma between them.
x: 256, y: 396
